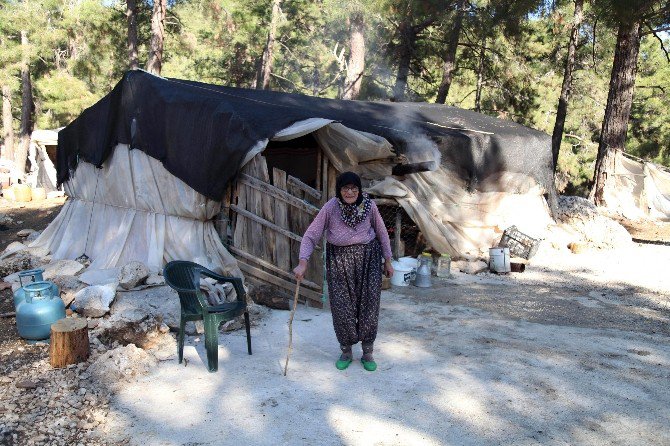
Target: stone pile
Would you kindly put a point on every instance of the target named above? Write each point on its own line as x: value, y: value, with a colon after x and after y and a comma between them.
x: 588, y: 226
x: 131, y: 323
x: 44, y: 406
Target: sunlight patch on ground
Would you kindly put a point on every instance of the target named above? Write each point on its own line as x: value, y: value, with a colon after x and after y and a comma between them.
x: 397, y: 347
x: 465, y: 399
x: 357, y: 428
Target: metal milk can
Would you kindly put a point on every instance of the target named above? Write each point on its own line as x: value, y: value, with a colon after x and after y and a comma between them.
x: 423, y: 279
x: 31, y: 275
x: 41, y: 308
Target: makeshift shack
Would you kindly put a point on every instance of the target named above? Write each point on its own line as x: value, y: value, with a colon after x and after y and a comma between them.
x: 152, y: 167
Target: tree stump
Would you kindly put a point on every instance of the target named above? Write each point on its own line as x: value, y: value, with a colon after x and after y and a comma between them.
x: 69, y: 342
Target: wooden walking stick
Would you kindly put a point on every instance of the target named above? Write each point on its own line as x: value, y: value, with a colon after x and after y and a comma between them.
x: 290, y: 325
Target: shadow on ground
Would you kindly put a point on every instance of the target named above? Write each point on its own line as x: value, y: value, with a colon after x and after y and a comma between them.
x: 484, y: 363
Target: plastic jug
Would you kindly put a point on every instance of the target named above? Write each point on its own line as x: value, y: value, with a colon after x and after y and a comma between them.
x: 38, y: 311
x: 428, y: 257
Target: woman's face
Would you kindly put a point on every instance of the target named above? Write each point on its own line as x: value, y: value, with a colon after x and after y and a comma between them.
x: 349, y: 193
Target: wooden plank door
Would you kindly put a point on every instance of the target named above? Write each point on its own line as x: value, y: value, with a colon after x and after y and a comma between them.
x: 269, y: 219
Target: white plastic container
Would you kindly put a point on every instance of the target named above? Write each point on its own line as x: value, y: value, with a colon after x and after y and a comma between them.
x: 402, y: 274
x: 409, y: 262
x: 499, y: 260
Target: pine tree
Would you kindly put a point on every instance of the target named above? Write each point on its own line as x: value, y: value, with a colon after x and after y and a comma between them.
x: 630, y: 17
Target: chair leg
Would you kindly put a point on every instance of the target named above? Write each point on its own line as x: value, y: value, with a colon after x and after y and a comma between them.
x: 180, y: 339
x: 248, y: 326
x: 212, y: 344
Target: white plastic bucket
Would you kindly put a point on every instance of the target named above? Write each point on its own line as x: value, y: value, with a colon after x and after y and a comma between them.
x: 402, y: 274
x: 409, y: 262
x: 499, y: 260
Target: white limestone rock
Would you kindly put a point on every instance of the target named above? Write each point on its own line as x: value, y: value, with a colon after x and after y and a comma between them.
x: 133, y: 274
x: 95, y: 301
x: 62, y: 268
x: 158, y: 301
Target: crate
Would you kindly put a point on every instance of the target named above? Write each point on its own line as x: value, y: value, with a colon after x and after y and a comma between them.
x: 519, y: 244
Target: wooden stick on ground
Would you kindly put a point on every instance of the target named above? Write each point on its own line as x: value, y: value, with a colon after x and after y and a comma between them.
x: 290, y: 325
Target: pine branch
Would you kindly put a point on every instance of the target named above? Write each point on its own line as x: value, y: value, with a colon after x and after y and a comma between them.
x: 654, y: 32
x: 651, y: 86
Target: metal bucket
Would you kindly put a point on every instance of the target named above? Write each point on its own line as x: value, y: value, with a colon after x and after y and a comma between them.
x: 499, y: 260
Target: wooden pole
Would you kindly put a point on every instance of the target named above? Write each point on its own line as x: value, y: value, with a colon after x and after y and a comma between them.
x: 318, y: 169
x: 396, y: 235
x: 69, y: 342
x: 290, y: 325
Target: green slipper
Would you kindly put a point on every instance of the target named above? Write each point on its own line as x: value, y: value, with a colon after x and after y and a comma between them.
x: 342, y: 364
x: 370, y: 366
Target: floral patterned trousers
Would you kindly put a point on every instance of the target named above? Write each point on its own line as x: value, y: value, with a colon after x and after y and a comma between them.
x: 354, y: 275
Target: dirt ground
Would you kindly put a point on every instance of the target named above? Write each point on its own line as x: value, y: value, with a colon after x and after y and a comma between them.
x: 575, y: 350
x: 30, y: 215
x: 34, y: 215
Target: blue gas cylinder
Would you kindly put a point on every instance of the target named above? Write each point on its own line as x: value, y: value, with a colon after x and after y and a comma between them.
x: 31, y: 275
x: 41, y: 308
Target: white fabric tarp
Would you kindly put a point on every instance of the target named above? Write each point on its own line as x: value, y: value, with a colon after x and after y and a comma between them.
x: 298, y: 129
x: 638, y: 189
x: 349, y: 150
x: 463, y: 223
x: 133, y: 209
x: 42, y: 170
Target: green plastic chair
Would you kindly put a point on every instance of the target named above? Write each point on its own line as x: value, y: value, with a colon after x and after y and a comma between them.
x: 184, y: 277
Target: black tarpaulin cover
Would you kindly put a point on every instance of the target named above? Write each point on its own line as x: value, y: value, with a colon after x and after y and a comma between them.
x: 201, y: 132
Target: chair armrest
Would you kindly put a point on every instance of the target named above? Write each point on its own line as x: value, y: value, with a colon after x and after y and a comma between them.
x: 236, y: 281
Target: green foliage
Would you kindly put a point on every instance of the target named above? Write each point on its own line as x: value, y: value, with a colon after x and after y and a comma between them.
x: 649, y: 126
x: 61, y: 98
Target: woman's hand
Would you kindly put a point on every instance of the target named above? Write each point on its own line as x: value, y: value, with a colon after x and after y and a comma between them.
x: 299, y: 270
x: 388, y: 268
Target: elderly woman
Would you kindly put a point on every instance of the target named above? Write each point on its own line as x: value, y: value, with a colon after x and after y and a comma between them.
x: 357, y: 240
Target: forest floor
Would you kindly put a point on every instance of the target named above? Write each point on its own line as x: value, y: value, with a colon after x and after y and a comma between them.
x: 575, y: 350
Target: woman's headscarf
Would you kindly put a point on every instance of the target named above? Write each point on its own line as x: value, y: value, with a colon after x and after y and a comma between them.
x: 352, y: 214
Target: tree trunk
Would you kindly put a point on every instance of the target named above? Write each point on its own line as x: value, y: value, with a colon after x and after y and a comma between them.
x: 155, y: 63
x: 69, y: 342
x: 619, y: 101
x: 7, y: 123
x: 405, y: 53
x: 27, y: 107
x: 562, y: 109
x: 131, y: 18
x: 267, y: 60
x: 356, y: 59
x: 480, y: 78
x: 450, y: 56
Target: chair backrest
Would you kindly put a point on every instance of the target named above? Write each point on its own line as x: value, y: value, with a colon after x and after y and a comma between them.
x: 184, y: 277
